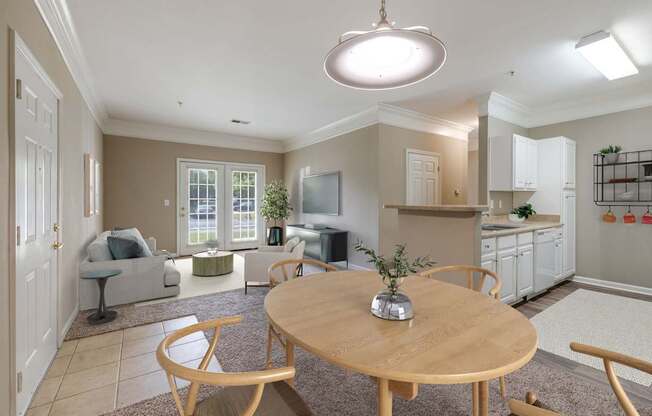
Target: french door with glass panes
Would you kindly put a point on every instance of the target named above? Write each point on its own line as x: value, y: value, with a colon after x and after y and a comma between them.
x: 219, y: 202
x: 244, y: 189
x: 201, y: 206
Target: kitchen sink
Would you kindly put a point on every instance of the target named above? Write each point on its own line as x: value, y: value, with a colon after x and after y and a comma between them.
x: 498, y: 227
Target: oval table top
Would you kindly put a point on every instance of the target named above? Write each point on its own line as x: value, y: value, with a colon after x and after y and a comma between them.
x: 456, y: 336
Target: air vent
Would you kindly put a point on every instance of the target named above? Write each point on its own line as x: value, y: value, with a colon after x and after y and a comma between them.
x: 236, y: 121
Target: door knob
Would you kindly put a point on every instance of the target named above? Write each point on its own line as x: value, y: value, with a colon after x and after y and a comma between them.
x: 182, y: 215
x: 57, y: 245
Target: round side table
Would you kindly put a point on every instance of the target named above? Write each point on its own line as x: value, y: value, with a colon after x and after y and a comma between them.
x: 102, y: 315
x: 204, y: 264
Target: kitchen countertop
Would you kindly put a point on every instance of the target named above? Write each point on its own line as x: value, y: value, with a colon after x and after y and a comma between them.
x: 439, y: 208
x: 526, y: 227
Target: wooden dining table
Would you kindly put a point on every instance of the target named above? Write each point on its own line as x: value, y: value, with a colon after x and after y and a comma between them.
x: 457, y: 336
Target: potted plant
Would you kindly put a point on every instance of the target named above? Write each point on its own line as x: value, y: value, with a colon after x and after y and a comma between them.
x: 521, y: 213
x: 610, y: 154
x: 275, y: 207
x: 391, y: 303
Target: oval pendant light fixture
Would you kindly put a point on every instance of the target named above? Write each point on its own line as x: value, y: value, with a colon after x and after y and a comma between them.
x: 385, y: 57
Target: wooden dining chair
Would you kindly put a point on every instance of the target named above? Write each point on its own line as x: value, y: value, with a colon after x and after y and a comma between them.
x: 532, y: 407
x: 280, y: 272
x: 476, y: 285
x: 264, y: 392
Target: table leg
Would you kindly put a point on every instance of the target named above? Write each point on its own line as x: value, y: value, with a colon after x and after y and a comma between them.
x: 102, y: 315
x: 384, y: 398
x: 476, y: 399
x: 483, y: 398
x: 289, y: 357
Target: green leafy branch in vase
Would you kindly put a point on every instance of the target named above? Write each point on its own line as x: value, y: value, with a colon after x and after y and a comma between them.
x: 398, y: 267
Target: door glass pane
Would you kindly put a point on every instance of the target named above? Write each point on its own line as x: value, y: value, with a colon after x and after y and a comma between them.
x: 244, y: 214
x: 202, y: 205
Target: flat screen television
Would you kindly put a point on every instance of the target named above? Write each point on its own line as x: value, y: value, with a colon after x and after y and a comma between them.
x: 321, y: 194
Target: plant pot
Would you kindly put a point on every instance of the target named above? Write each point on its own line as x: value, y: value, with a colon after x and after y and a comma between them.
x: 392, y: 306
x: 275, y: 236
x: 610, y: 158
x: 515, y: 218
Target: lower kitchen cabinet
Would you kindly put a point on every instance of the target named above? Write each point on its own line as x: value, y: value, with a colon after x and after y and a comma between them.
x: 525, y: 270
x: 506, y: 270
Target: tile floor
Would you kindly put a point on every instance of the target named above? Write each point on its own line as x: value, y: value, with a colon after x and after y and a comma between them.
x: 98, y: 374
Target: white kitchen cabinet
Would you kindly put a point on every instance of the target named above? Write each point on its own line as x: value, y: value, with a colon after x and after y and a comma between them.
x: 568, y: 167
x: 559, y: 255
x: 568, y: 215
x: 506, y: 270
x: 513, y: 163
x: 525, y: 270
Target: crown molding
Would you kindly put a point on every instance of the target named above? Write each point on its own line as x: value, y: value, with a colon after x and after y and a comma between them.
x: 345, y: 125
x: 503, y: 108
x: 413, y: 120
x: 57, y: 18
x: 164, y: 133
x: 381, y: 114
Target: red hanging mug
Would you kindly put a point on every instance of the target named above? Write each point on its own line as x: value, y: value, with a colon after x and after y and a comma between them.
x: 647, y: 218
x: 629, y: 218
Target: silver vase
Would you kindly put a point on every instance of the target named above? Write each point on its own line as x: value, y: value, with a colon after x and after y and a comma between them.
x: 392, y: 305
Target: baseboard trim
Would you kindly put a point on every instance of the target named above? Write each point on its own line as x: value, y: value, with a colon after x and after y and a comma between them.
x: 68, y: 324
x: 613, y: 285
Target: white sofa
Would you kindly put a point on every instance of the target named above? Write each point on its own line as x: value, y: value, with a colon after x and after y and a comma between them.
x: 142, y: 279
x: 256, y: 263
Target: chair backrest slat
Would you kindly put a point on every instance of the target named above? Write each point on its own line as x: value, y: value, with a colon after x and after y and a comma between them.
x: 293, y: 264
x: 470, y: 281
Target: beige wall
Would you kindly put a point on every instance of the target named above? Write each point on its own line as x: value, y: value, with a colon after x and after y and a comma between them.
x: 614, y: 252
x: 355, y: 155
x: 78, y: 133
x: 391, y: 173
x: 473, y: 175
x: 139, y: 174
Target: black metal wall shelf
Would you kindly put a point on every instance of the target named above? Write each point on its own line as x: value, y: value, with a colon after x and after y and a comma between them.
x: 625, y: 183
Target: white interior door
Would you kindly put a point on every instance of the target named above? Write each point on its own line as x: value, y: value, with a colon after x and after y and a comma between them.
x: 200, y: 207
x: 423, y: 185
x: 36, y: 178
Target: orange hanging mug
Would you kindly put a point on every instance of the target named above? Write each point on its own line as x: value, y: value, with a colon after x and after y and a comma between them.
x: 609, y: 217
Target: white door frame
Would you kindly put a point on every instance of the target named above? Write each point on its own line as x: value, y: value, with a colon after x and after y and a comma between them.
x: 17, y: 45
x: 408, y: 152
x: 226, y: 203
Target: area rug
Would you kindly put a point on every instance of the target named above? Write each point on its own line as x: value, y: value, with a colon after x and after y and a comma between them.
x: 329, y: 390
x: 608, y: 321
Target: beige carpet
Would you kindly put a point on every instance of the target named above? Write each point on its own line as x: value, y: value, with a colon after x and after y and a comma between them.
x: 608, y: 321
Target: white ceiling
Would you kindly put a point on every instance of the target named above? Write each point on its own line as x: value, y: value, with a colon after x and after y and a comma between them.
x: 262, y: 60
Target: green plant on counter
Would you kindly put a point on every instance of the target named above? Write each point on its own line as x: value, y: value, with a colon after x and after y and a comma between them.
x: 611, y: 149
x: 524, y: 211
x: 395, y: 269
x: 276, y: 203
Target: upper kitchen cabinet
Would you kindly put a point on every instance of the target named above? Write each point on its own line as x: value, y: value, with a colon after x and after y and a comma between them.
x: 513, y: 163
x: 568, y: 154
x: 556, y: 173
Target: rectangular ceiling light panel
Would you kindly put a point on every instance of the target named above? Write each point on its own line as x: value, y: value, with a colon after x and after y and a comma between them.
x: 606, y: 55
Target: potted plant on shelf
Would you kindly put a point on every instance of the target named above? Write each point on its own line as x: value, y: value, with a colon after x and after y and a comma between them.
x: 610, y: 154
x: 521, y: 213
x: 275, y: 207
x: 391, y: 303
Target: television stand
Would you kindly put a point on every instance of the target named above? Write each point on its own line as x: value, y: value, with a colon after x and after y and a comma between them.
x: 325, y: 244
